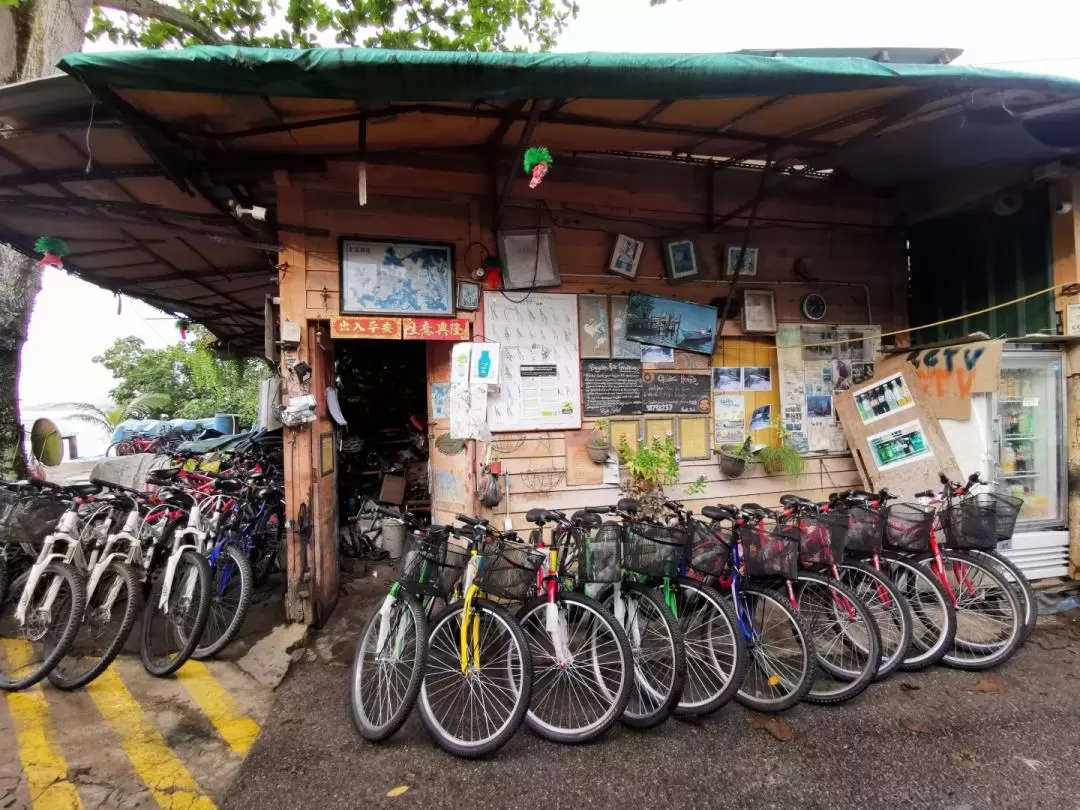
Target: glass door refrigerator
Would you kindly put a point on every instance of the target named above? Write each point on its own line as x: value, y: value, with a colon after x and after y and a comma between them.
x: 1029, y: 423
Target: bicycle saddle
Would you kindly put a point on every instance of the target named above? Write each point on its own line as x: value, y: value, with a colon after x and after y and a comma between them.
x: 718, y: 512
x: 795, y: 500
x: 229, y: 485
x: 587, y: 520
x: 628, y: 505
x: 541, y: 516
x: 163, y: 476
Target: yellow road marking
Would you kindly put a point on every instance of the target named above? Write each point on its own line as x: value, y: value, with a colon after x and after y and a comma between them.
x: 235, y: 727
x: 170, y: 783
x: 44, y: 766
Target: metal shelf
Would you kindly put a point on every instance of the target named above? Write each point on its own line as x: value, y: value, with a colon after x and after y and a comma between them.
x: 1021, y: 475
x: 1021, y: 438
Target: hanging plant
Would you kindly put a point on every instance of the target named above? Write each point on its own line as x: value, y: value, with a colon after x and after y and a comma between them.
x: 536, y: 164
x: 734, y: 458
x: 53, y: 251
x: 183, y: 324
x: 782, y: 459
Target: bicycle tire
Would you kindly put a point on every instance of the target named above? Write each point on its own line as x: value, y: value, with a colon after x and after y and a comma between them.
x: 443, y: 661
x: 217, y: 635
x: 162, y: 668
x: 983, y: 655
x: 700, y: 696
x: 360, y: 697
x: 933, y: 617
x: 651, y: 703
x: 759, y: 664
x: 3, y: 575
x: 850, y: 626
x: 1018, y: 581
x: 68, y: 624
x: 68, y: 677
x: 266, y: 559
x: 890, y: 610
x: 618, y: 662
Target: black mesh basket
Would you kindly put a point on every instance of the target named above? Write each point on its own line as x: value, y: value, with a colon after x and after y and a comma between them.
x: 908, y: 526
x: 1008, y: 509
x: 972, y: 522
x: 711, y: 552
x: 770, y: 553
x: 602, y: 557
x: 656, y: 551
x: 866, y: 530
x: 430, y: 565
x: 822, y: 539
x: 27, y: 521
x: 511, y: 572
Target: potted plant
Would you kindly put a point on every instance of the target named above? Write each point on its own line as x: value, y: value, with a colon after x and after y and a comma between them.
x: 734, y: 458
x: 647, y: 468
x: 599, y: 445
x: 783, y: 458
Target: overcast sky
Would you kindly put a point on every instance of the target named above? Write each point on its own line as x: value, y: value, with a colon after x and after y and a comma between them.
x: 74, y: 321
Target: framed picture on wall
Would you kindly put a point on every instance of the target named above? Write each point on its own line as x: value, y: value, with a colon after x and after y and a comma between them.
x: 625, y: 256
x: 468, y: 296
x: 759, y: 312
x: 528, y: 259
x: 749, y: 261
x: 681, y: 260
x: 396, y: 278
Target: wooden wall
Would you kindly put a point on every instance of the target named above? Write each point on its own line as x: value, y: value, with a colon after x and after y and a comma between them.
x: 849, y: 254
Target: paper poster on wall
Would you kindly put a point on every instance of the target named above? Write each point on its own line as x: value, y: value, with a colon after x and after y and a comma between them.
x: 727, y: 378
x: 595, y: 335
x: 484, y: 364
x: 621, y: 348
x: 761, y: 418
x: 459, y: 363
x: 438, y: 399
x: 757, y: 378
x: 729, y: 419
x: 539, y: 391
x: 884, y: 398
x: 657, y: 355
x: 898, y: 446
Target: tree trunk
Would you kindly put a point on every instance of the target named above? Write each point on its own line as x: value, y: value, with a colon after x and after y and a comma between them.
x: 20, y: 280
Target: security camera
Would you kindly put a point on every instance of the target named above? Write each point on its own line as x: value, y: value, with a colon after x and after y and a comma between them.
x: 1063, y: 207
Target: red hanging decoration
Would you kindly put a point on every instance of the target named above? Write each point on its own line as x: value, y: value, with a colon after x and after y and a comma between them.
x: 492, y: 273
x: 537, y: 162
x: 53, y: 251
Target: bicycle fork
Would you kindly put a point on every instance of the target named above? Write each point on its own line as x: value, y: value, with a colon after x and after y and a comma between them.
x: 469, y: 621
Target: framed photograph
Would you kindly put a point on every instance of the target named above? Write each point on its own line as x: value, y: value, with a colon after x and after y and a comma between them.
x: 396, y: 278
x: 759, y: 312
x: 528, y: 259
x: 657, y: 355
x: 727, y: 379
x: 757, y: 378
x: 468, y: 296
x: 326, y: 453
x: 749, y: 265
x: 681, y: 260
x: 625, y: 256
x: 667, y: 322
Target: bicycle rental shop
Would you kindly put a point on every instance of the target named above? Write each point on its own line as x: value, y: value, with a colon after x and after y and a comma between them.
x: 496, y: 270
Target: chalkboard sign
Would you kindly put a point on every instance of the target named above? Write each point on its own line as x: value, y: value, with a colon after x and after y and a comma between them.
x: 611, y: 387
x: 667, y: 392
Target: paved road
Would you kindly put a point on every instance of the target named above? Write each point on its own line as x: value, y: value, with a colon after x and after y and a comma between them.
x: 937, y: 739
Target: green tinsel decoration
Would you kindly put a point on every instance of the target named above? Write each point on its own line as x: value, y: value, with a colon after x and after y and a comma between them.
x: 51, y: 245
x: 536, y: 155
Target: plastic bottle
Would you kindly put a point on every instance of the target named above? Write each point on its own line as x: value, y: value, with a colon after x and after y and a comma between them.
x: 890, y: 397
x: 483, y: 365
x: 1008, y: 460
x: 860, y: 406
x: 917, y: 443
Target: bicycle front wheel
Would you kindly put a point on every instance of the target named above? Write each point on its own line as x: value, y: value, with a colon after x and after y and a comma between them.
x: 583, y: 669
x: 107, y: 621
x: 30, y: 648
x: 716, y: 655
x: 474, y: 713
x: 171, y: 631
x: 846, y: 638
x: 782, y: 665
x: 388, y: 668
x: 230, y: 600
x: 890, y: 611
x: 933, y: 617
x: 1012, y: 574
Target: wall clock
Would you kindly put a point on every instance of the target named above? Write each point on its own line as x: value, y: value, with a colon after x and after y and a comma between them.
x: 813, y: 307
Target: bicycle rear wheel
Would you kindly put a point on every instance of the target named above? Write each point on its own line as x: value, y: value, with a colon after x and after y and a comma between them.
x: 31, y: 648
x: 782, y: 665
x: 846, y: 639
x: 890, y: 610
x: 474, y: 713
x: 716, y: 655
x: 171, y: 632
x: 659, y: 654
x: 233, y: 581
x: 106, y: 624
x: 933, y: 617
x: 388, y: 668
x: 268, y: 537
x: 583, y: 668
x: 1018, y: 582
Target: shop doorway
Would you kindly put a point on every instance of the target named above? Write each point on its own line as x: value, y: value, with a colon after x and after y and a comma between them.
x: 383, y: 453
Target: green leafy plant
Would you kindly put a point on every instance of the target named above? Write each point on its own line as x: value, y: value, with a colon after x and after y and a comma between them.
x: 600, y: 434
x: 782, y: 458
x: 743, y: 451
x: 697, y: 486
x: 650, y: 466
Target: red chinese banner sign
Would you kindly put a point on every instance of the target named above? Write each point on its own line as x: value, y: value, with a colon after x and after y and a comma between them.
x: 435, y: 328
x: 350, y: 326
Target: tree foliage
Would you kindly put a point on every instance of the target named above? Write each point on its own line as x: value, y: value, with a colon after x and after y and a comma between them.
x: 192, y: 381
x: 444, y: 25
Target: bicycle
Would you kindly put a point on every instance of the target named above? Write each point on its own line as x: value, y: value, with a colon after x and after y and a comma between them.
x: 582, y: 661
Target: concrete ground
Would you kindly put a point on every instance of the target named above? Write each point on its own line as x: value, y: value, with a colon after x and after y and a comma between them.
x: 934, y: 739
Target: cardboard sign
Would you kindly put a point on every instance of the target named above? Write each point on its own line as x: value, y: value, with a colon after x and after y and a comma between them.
x: 949, y: 375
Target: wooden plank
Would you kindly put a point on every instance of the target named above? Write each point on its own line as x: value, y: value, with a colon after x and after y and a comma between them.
x: 543, y: 446
x: 580, y: 468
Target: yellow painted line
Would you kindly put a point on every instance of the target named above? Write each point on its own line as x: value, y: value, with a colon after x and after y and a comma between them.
x: 44, y: 766
x: 235, y: 727
x: 170, y: 783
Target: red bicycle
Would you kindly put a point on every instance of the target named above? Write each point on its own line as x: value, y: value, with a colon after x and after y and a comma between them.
x: 158, y: 445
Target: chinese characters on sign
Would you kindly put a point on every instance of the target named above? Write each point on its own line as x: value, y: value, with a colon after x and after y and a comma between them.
x: 363, y: 327
x: 435, y: 328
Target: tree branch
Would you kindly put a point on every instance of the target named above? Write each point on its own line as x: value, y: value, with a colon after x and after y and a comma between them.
x: 154, y: 10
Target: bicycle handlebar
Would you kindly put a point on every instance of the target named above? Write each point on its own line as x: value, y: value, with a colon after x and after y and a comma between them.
x: 470, y: 520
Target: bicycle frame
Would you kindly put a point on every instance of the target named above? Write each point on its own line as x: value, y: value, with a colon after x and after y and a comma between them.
x: 66, y: 538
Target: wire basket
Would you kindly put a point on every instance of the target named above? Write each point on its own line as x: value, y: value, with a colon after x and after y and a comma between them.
x: 972, y: 522
x: 656, y: 551
x: 429, y: 565
x: 866, y: 530
x: 711, y: 551
x: 768, y: 553
x: 511, y: 572
x: 908, y: 526
x: 602, y: 557
x: 822, y: 539
x: 1008, y: 509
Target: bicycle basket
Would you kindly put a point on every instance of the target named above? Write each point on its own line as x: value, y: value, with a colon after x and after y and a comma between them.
x: 866, y: 529
x: 511, y: 572
x: 768, y: 553
x: 429, y: 565
x: 711, y: 551
x: 822, y: 539
x: 602, y: 559
x: 971, y: 522
x: 27, y: 521
x: 1008, y: 508
x: 656, y: 551
x: 908, y: 526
